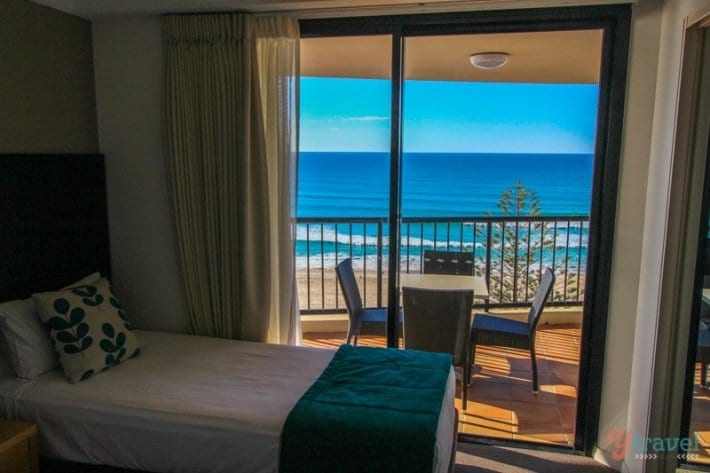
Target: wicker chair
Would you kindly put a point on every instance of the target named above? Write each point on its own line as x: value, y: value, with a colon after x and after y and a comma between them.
x: 448, y: 262
x: 489, y: 329
x: 703, y: 353
x: 362, y: 321
x: 438, y: 320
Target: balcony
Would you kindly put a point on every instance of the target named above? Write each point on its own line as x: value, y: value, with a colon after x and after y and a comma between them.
x: 511, y: 254
x: 500, y: 400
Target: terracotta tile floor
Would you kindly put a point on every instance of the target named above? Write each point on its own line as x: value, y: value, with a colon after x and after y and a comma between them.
x: 500, y: 399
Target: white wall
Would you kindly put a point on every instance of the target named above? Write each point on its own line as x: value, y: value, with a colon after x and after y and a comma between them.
x: 46, y: 81
x: 626, y: 260
x: 128, y: 72
x: 647, y: 366
x: 652, y: 95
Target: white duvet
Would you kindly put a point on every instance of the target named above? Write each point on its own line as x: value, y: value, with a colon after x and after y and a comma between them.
x: 185, y: 404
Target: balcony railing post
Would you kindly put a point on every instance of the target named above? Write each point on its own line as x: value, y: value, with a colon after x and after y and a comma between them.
x: 515, y: 261
x: 379, y: 264
x: 308, y: 263
x: 489, y: 227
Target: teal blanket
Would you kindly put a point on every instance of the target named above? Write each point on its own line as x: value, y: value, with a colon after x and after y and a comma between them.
x: 371, y: 410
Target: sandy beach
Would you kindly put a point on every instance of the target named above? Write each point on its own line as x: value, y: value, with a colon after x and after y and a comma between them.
x: 325, y: 293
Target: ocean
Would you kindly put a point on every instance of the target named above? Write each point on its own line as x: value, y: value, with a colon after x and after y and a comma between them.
x: 356, y: 185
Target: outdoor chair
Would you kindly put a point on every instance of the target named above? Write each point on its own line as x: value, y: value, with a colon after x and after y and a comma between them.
x: 362, y: 321
x: 437, y: 320
x: 490, y: 329
x: 705, y: 303
x: 703, y: 353
x: 458, y: 263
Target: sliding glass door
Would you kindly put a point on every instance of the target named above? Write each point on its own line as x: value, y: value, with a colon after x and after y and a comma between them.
x: 343, y: 171
x: 407, y: 147
x: 497, y: 165
x: 695, y: 422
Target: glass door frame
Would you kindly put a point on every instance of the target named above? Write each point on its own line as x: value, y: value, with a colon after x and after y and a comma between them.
x: 614, y: 20
x: 697, y: 38
x: 692, y: 157
x: 701, y: 269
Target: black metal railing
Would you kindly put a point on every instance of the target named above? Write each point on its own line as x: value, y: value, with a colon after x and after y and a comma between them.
x: 510, y: 252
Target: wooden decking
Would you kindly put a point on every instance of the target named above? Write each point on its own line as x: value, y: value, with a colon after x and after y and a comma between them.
x: 500, y: 399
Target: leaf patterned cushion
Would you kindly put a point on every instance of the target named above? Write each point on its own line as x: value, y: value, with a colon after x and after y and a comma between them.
x: 89, y: 329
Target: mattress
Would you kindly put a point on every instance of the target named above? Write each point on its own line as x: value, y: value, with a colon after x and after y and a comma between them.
x: 185, y: 404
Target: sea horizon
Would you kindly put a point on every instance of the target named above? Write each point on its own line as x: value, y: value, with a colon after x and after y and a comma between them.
x: 355, y: 185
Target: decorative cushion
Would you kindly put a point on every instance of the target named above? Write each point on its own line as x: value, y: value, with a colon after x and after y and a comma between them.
x: 89, y: 329
x: 25, y: 341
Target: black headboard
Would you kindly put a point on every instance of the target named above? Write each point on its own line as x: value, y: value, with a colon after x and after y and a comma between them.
x: 53, y: 221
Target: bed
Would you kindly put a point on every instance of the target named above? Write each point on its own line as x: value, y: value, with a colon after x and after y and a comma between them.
x: 186, y: 403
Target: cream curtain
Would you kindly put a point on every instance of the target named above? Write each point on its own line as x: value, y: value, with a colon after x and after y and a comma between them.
x: 230, y: 96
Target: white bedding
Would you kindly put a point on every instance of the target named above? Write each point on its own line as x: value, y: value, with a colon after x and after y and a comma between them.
x: 185, y: 404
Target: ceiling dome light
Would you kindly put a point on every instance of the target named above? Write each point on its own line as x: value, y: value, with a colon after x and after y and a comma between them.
x: 489, y: 60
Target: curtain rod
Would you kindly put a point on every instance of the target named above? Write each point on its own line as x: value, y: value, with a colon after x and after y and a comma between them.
x: 415, y: 8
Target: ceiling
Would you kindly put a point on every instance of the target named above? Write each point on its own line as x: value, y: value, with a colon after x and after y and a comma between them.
x: 95, y: 9
x: 542, y: 57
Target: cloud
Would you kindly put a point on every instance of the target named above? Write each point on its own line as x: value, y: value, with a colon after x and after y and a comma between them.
x: 366, y: 118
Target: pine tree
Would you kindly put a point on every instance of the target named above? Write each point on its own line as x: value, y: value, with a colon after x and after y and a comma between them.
x: 519, y: 245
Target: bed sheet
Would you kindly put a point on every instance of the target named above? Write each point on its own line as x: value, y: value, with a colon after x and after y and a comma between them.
x: 185, y: 404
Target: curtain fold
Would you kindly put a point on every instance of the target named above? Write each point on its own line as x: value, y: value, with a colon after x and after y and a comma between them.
x: 229, y: 111
x: 278, y: 74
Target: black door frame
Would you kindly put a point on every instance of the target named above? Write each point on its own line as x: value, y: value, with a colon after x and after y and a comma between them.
x: 615, y: 21
x: 694, y: 68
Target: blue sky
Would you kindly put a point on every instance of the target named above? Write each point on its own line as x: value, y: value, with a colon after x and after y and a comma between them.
x: 456, y: 117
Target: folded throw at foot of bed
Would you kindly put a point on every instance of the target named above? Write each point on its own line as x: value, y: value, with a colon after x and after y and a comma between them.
x: 372, y: 409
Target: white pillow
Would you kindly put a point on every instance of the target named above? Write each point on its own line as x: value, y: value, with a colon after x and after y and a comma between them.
x: 27, y: 343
